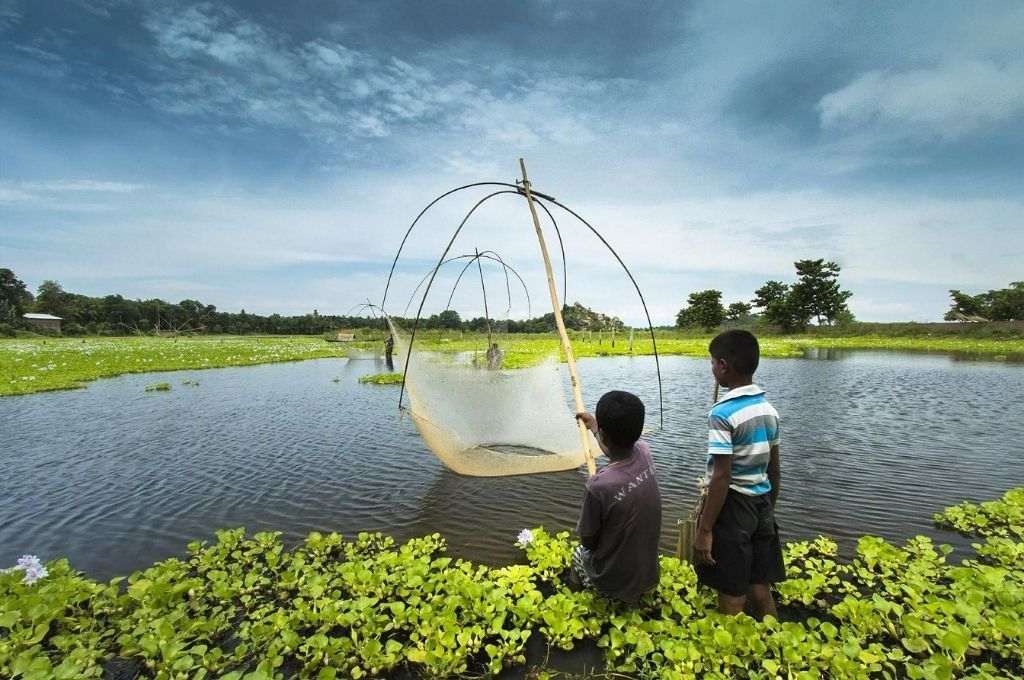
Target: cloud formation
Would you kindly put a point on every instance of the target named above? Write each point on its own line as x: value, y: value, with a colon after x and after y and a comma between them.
x: 949, y: 101
x: 271, y: 159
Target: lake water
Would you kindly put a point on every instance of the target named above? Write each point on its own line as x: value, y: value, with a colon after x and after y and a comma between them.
x: 116, y: 478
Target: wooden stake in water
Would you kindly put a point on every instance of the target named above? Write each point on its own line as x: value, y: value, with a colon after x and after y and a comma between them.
x: 570, y: 358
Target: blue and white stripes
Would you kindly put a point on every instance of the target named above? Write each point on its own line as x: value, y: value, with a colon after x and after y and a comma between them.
x: 745, y: 426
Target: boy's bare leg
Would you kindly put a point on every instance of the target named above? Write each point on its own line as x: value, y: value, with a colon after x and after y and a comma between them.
x: 730, y: 604
x: 762, y: 601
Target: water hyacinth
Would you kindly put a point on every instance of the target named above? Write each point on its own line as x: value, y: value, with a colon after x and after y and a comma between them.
x: 524, y: 538
x: 33, y: 568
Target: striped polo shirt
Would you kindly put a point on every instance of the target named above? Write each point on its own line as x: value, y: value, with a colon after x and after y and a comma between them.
x: 742, y: 424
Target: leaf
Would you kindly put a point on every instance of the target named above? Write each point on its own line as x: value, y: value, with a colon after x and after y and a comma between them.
x: 723, y: 638
x: 954, y: 642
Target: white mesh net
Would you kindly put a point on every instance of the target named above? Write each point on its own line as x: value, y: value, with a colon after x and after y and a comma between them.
x: 490, y: 423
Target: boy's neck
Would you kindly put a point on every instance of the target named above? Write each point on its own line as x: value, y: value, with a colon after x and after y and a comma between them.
x: 740, y: 381
x: 620, y: 454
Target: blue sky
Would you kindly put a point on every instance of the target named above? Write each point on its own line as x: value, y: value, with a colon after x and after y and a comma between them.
x: 269, y: 155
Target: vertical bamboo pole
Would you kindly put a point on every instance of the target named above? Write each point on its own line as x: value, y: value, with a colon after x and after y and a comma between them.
x: 570, y: 358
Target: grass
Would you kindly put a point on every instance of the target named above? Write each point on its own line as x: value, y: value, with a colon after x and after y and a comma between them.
x: 382, y: 379
x: 39, y: 365
x: 528, y: 349
x: 159, y: 387
x: 30, y: 365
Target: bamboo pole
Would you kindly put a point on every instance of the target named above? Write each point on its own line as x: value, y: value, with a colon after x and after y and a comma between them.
x: 570, y: 358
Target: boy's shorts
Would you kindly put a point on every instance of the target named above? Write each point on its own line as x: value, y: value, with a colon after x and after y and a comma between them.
x: 745, y: 546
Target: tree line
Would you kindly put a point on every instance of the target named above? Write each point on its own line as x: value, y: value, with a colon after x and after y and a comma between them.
x: 815, y: 295
x: 1003, y: 304
x: 117, y: 315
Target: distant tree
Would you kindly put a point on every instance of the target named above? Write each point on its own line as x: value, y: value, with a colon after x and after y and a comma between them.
x: 737, y: 311
x: 770, y: 292
x: 15, y: 297
x: 1002, y: 304
x: 51, y: 298
x: 703, y: 309
x: 817, y: 294
x: 1008, y: 303
x: 774, y: 300
x: 966, y: 305
x: 449, y: 319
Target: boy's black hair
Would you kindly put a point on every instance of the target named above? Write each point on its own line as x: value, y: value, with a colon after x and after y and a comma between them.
x: 620, y: 415
x: 739, y: 348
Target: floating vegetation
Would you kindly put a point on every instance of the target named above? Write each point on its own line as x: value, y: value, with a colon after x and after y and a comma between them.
x: 35, y: 365
x: 248, y: 609
x: 381, y: 379
x: 159, y: 387
x: 30, y: 365
x: 193, y: 383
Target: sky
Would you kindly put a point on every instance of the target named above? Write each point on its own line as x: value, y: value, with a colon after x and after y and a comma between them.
x: 270, y: 156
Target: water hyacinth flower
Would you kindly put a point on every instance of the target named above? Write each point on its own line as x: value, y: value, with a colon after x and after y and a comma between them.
x: 33, y: 568
x: 524, y: 538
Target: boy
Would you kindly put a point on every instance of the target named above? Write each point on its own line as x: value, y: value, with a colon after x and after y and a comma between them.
x: 737, y: 548
x: 620, y: 522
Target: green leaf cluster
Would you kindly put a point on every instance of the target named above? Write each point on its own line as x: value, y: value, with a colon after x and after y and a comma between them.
x: 248, y: 608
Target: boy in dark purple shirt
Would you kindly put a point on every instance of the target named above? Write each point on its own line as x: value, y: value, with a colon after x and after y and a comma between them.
x: 620, y: 522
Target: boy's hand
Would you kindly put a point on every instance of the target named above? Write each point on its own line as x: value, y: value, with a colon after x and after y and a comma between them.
x: 702, y: 548
x: 588, y: 420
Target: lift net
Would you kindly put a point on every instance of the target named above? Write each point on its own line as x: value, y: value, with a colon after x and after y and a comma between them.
x: 491, y: 423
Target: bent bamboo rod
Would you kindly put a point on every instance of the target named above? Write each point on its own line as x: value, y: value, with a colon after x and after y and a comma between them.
x: 570, y: 358
x: 518, y: 190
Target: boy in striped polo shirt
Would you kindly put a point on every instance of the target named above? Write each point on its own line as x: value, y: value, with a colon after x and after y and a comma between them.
x: 737, y: 548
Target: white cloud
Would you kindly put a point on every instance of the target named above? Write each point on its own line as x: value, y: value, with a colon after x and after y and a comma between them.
x: 949, y: 100
x: 50, y: 193
x: 10, y: 15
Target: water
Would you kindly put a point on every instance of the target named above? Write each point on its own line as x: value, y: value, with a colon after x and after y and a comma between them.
x: 116, y: 478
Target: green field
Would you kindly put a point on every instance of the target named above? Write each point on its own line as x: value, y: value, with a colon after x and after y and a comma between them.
x: 39, y: 365
x: 30, y: 365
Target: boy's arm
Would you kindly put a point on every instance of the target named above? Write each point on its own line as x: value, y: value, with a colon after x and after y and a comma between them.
x: 718, y: 489
x: 720, y: 452
x: 775, y: 473
x: 589, y: 525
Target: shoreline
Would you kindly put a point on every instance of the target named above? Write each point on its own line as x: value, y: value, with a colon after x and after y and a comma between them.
x: 34, y: 365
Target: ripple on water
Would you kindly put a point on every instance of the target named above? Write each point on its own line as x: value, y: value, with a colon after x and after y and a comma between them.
x: 116, y: 478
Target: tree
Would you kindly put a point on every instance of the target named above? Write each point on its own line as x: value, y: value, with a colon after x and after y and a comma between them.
x: 703, y: 309
x: 771, y: 292
x: 965, y: 305
x: 775, y: 300
x: 1002, y: 304
x: 51, y: 298
x: 817, y: 293
x: 15, y: 297
x: 450, y: 319
x: 737, y: 311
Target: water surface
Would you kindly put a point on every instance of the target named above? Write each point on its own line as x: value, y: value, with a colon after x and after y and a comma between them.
x: 116, y: 478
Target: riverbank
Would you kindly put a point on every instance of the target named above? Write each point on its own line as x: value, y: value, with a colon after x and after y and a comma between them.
x: 250, y: 609
x: 30, y: 365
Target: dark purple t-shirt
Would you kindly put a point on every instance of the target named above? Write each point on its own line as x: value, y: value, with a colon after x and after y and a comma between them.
x: 621, y: 516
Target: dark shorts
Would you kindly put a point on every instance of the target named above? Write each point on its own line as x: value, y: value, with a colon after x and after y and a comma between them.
x: 745, y: 546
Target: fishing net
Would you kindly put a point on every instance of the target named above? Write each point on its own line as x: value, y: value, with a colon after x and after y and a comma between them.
x: 491, y: 423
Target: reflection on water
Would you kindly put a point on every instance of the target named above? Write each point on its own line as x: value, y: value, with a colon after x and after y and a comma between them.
x: 116, y: 478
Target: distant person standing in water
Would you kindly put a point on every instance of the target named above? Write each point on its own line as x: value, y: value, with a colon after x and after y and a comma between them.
x: 737, y: 549
x: 494, y: 357
x: 389, y: 347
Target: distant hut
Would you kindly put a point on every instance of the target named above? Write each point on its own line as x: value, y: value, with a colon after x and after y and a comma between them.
x: 965, y: 318
x: 47, y: 321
